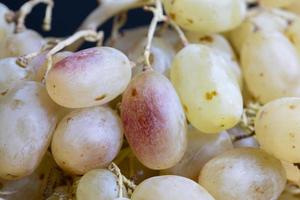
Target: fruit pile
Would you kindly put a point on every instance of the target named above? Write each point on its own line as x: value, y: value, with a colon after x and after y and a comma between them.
x: 202, y: 104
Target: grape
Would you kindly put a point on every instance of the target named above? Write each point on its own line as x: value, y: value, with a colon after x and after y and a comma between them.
x: 99, y: 184
x: 170, y: 188
x: 292, y: 32
x: 201, y: 148
x: 206, y: 16
x: 292, y: 172
x: 36, y: 186
x: 87, y: 139
x: 245, y: 173
x: 211, y: 97
x: 122, y: 198
x: 294, y: 7
x: 278, y: 134
x: 23, y: 43
x: 154, y: 121
x: 162, y: 54
x: 276, y: 3
x: 266, y: 78
x: 259, y: 19
x: 27, y: 120
x: 6, y: 28
x: 10, y: 74
x: 89, y: 77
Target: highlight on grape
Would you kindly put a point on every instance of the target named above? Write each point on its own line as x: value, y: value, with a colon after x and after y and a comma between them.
x: 202, y: 103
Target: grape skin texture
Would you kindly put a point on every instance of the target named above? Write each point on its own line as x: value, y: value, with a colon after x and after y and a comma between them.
x: 100, y: 184
x: 87, y: 139
x: 276, y: 135
x: 201, y: 148
x: 206, y: 16
x: 27, y: 121
x: 170, y: 188
x: 210, y: 95
x: 245, y: 173
x: 89, y: 77
x: 268, y: 79
x: 154, y: 121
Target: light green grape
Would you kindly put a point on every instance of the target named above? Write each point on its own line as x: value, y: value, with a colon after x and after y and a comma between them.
x: 243, y: 173
x: 271, y: 66
x: 170, y: 188
x: 210, y: 96
x: 277, y: 128
x: 206, y: 16
x: 100, y: 184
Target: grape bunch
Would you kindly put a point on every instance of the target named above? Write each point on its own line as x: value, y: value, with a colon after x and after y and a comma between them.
x: 202, y: 104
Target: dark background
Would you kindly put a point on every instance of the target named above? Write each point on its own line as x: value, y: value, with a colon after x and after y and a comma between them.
x: 68, y: 15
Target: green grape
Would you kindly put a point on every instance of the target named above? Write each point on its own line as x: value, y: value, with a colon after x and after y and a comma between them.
x: 210, y: 96
x: 170, y: 188
x: 206, y: 16
x: 277, y: 128
x: 244, y: 173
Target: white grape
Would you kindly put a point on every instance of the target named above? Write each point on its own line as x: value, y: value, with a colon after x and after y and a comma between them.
x: 27, y: 119
x: 245, y: 173
x: 170, y: 188
x: 277, y: 128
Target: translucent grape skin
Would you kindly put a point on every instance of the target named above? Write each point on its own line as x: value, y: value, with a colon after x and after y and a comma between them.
x: 201, y: 148
x: 22, y: 43
x: 10, y: 74
x: 27, y: 121
x: 100, y: 184
x: 205, y: 16
x: 87, y: 139
x: 277, y: 134
x: 89, y: 77
x: 210, y: 96
x: 154, y: 121
x: 170, y: 188
x: 243, y: 173
x: 269, y: 79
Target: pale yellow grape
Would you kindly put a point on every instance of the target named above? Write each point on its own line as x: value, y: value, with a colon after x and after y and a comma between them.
x: 258, y: 19
x: 170, y: 188
x: 206, y: 16
x: 23, y: 43
x: 277, y: 128
x: 276, y: 3
x: 244, y: 174
x: 292, y: 172
x: 27, y: 120
x: 211, y: 97
x: 87, y: 139
x: 271, y: 66
x: 201, y: 148
x: 222, y: 46
x: 10, y: 74
x: 5, y: 28
x: 98, y: 184
x: 89, y: 77
x: 294, y: 7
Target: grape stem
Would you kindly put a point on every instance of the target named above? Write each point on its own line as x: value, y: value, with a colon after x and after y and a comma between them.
x: 88, y: 35
x: 27, y: 7
x: 118, y: 22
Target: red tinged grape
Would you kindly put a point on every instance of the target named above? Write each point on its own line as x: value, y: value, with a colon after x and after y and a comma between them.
x: 154, y: 121
x: 89, y: 77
